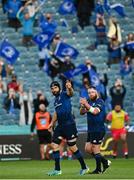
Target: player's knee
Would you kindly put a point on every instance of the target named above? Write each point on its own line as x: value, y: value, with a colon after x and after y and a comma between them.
x: 94, y: 148
x: 88, y: 149
x: 55, y: 146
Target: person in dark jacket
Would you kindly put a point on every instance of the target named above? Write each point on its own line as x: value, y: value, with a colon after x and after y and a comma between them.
x: 117, y: 92
x: 84, y: 9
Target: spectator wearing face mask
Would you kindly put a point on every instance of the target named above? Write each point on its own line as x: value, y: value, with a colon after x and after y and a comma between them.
x: 117, y: 93
x: 40, y: 99
x: 26, y: 102
x: 11, y: 102
x: 12, y: 7
x: 27, y: 22
x: 14, y: 84
x: 47, y: 23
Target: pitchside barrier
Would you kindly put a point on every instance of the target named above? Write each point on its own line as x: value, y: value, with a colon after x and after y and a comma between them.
x: 23, y: 147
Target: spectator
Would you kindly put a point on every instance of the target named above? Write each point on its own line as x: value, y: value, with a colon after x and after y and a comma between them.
x: 57, y: 38
x: 42, y: 120
x: 47, y: 23
x: 1, y: 86
x: 31, y: 6
x: 117, y: 93
x: 12, y: 7
x: 125, y: 67
x: 54, y: 68
x: 27, y: 22
x: 89, y: 65
x: 94, y: 78
x: 26, y: 102
x: 104, y: 81
x: 9, y: 70
x: 44, y: 58
x: 3, y: 2
x: 84, y: 11
x: 84, y: 89
x: 114, y: 52
x: 2, y: 69
x: 114, y: 30
x: 99, y: 10
x: 129, y: 46
x: 65, y: 66
x: 119, y: 123
x: 6, y: 70
x: 14, y: 84
x: 11, y: 102
x: 100, y: 28
x: 40, y: 99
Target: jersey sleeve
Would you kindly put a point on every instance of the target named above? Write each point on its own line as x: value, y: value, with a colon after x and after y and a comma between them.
x: 127, y: 118
x: 109, y: 116
x: 100, y: 105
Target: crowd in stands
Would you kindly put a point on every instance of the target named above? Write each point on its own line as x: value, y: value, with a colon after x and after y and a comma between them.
x: 28, y: 15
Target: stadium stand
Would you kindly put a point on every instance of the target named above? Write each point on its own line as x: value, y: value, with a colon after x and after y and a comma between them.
x: 26, y: 67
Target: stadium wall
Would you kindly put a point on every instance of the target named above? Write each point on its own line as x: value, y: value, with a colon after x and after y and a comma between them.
x: 23, y: 147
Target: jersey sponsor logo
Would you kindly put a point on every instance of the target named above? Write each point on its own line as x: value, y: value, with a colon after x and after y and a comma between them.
x: 43, y: 121
x: 57, y: 105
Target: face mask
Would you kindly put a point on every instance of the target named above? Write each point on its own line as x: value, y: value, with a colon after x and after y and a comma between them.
x: 25, y: 97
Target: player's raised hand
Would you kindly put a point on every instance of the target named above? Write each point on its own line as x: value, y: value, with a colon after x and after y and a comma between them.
x: 83, y: 101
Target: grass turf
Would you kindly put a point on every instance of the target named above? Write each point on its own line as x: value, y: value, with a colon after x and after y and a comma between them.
x: 119, y: 169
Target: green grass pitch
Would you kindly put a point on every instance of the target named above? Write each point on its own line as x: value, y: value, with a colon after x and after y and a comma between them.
x: 119, y: 169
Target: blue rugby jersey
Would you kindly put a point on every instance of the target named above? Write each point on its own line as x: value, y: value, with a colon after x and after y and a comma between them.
x: 63, y: 109
x: 96, y: 122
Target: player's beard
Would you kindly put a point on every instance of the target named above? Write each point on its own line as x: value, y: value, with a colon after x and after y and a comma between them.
x: 94, y: 98
x: 56, y: 93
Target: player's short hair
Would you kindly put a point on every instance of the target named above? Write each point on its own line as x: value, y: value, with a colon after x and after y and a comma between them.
x: 55, y: 83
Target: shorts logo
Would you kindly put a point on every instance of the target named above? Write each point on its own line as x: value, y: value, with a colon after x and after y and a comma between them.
x: 73, y: 136
x: 94, y: 141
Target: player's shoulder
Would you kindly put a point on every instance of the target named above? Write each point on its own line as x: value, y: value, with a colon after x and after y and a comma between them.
x: 100, y: 100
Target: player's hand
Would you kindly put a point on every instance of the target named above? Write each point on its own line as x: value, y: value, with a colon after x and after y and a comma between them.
x: 68, y: 84
x: 83, y: 101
